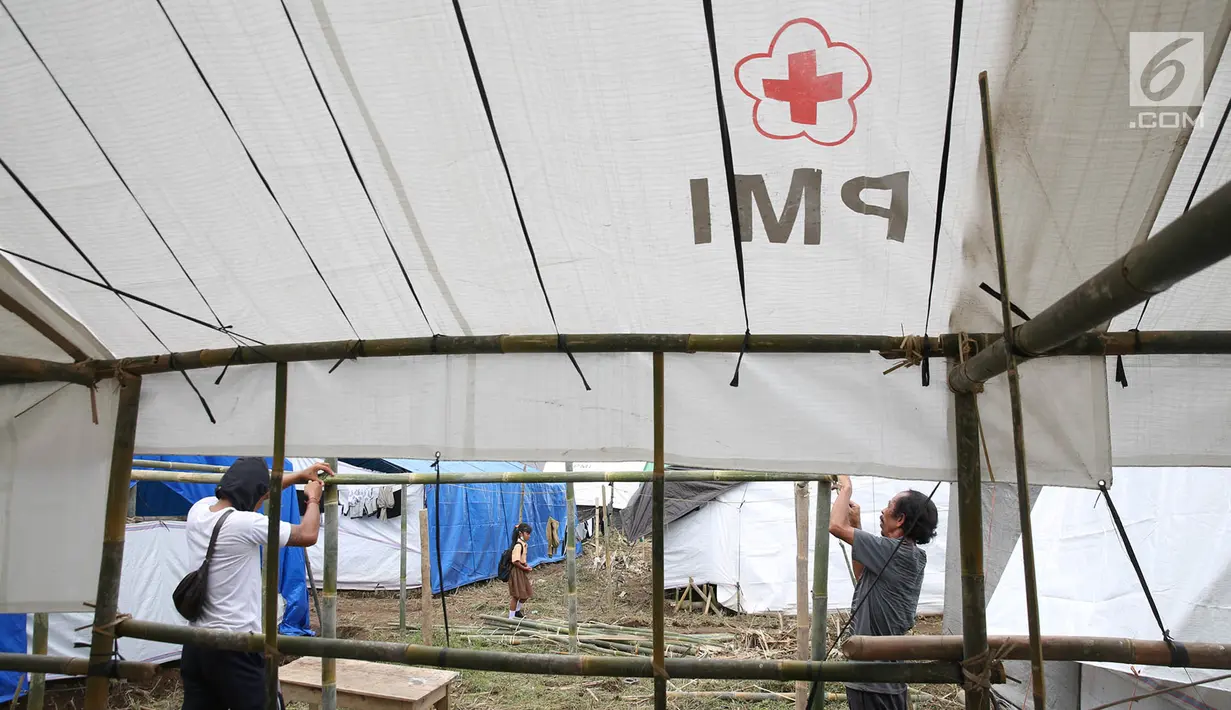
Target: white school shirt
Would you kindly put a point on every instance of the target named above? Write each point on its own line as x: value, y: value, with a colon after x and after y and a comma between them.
x: 233, y: 597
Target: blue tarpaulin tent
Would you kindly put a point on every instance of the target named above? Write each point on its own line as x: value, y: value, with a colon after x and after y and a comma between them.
x: 172, y: 498
x: 476, y: 520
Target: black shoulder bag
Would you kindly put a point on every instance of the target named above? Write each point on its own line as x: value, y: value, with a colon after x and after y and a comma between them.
x: 189, y: 596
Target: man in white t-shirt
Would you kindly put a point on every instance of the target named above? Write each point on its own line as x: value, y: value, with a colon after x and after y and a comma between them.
x: 235, y: 679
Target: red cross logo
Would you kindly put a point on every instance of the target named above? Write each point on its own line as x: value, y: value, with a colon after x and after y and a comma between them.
x: 805, y: 86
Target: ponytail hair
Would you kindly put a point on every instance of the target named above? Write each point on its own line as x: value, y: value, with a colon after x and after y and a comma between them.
x: 518, y: 530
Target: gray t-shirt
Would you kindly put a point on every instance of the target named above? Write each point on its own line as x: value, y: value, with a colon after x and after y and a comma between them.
x: 891, y: 604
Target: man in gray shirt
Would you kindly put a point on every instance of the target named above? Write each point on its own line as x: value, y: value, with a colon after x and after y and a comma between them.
x: 889, y: 575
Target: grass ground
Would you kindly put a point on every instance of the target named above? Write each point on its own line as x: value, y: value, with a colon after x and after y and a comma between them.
x: 374, y: 616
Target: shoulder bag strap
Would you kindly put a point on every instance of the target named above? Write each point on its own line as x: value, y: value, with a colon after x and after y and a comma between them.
x: 213, y: 539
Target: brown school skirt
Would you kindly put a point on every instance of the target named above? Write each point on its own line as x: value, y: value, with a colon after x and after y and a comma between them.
x: 519, y: 584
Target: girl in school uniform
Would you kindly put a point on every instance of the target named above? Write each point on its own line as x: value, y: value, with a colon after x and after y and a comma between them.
x: 520, y: 588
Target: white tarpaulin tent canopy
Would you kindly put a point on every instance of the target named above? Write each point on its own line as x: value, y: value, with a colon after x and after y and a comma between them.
x: 559, y: 168
x: 743, y: 542
x: 618, y: 494
x: 1176, y: 520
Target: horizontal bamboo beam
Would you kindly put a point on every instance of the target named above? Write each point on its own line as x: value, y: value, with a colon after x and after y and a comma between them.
x: 1195, y: 241
x: 394, y: 479
x: 549, y: 664
x: 71, y: 665
x: 16, y: 369
x: 1055, y: 648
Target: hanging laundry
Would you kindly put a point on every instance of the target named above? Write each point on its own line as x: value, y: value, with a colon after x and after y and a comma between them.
x: 385, y: 501
x: 553, y: 536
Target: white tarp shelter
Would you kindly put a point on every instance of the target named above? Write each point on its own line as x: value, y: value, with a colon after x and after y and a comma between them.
x: 1176, y: 520
x: 743, y: 542
x: 618, y: 493
x: 188, y: 158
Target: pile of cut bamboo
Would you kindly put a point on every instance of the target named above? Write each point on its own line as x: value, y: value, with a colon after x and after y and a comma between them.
x: 599, y: 638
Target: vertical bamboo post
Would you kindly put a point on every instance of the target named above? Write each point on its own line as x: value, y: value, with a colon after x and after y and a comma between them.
x: 329, y: 595
x: 273, y: 546
x: 1015, y: 403
x: 802, y: 626
x: 402, y: 589
x: 970, y: 534
x: 570, y: 558
x: 38, y: 681
x: 659, y: 490
x: 820, y: 579
x: 107, y: 600
x: 425, y: 572
x: 607, y: 543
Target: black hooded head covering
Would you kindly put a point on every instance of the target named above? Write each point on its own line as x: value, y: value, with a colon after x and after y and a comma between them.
x: 244, y: 483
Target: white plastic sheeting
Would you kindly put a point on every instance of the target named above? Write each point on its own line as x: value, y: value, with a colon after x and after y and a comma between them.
x: 744, y: 543
x: 618, y: 494
x: 369, y: 549
x: 1177, y: 522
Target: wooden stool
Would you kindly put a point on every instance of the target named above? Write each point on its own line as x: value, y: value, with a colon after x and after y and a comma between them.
x: 364, y: 685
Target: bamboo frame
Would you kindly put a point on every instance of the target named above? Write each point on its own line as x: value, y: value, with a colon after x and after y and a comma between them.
x: 385, y: 479
x: 107, y: 601
x: 73, y: 665
x: 1178, y: 342
x: 570, y: 559
x: 970, y: 533
x: 38, y: 681
x: 820, y: 578
x: 803, y: 626
x: 1055, y: 648
x: 273, y: 546
x: 1038, y: 687
x: 426, y: 610
x: 329, y: 595
x: 943, y: 672
x: 405, y: 523
x: 659, y: 495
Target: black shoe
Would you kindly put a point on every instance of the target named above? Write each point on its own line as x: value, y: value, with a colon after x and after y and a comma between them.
x: 519, y: 615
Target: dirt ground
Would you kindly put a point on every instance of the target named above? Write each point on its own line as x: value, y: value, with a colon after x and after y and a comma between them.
x: 374, y: 616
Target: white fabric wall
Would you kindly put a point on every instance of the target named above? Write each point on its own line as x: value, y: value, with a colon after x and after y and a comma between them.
x: 618, y: 494
x: 745, y: 538
x: 1103, y: 685
x: 54, y: 464
x: 369, y: 555
x: 1176, y: 520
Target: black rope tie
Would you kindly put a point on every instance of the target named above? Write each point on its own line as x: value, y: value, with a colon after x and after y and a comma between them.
x: 743, y: 348
x: 354, y: 351
x: 1121, y: 376
x: 1179, y: 654
x: 230, y: 360
x: 925, y: 369
x: 201, y: 397
x: 440, y: 570
x: 818, y: 682
x: 562, y: 346
x: 728, y: 161
x: 986, y: 288
x: 435, y: 343
x: 508, y: 174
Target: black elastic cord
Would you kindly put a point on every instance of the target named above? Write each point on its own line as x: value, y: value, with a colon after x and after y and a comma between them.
x: 124, y: 294
x: 355, y: 166
x: 1121, y: 375
x: 269, y: 188
x: 562, y: 346
x: 851, y: 620
x: 354, y: 350
x: 440, y: 570
x: 986, y: 288
x: 508, y: 174
x: 728, y: 161
x: 1179, y: 655
x: 234, y: 355
x: 925, y: 369
x: 116, y: 170
x: 193, y: 385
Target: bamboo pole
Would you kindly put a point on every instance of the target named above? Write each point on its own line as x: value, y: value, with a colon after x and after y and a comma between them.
x: 273, y: 545
x: 102, y: 638
x: 942, y: 672
x: 1015, y: 404
x: 38, y: 681
x: 402, y: 580
x: 329, y: 621
x: 1178, y: 342
x: 803, y: 626
x: 606, y: 522
x: 570, y: 559
x: 820, y: 579
x: 385, y: 479
x: 970, y: 534
x: 1083, y: 649
x: 425, y: 576
x: 754, y: 697
x: 74, y: 666
x: 659, y: 495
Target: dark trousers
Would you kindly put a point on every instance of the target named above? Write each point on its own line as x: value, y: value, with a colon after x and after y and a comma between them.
x: 863, y: 700
x: 218, y: 680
